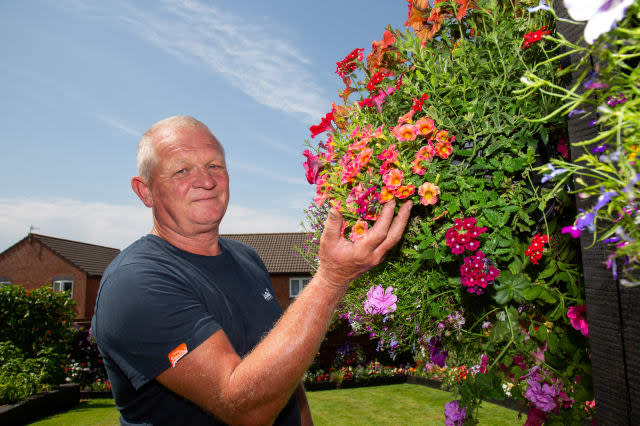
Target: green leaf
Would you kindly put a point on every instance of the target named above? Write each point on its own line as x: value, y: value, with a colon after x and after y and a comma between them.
x: 453, y: 206
x: 510, y: 287
x: 548, y: 271
x: 552, y: 343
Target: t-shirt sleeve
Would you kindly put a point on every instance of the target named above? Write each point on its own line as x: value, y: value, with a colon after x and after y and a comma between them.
x: 145, y: 315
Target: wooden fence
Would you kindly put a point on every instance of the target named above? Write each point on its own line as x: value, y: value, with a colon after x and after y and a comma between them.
x: 613, y: 311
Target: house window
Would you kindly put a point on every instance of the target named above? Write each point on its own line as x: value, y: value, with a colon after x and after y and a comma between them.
x: 5, y: 281
x: 297, y: 284
x: 63, y: 284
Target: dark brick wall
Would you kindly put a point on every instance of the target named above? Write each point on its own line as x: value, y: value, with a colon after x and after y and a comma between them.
x: 32, y: 265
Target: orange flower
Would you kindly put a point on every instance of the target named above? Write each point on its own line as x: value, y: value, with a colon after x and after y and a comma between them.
x: 443, y: 149
x: 358, y: 230
x: 386, y: 195
x: 406, y: 132
x: 428, y: 193
x: 383, y: 55
x: 403, y: 192
x: 393, y: 178
x: 407, y: 117
x: 425, y: 127
x: 364, y: 156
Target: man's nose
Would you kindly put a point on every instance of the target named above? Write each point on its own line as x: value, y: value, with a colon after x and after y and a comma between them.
x: 204, y: 179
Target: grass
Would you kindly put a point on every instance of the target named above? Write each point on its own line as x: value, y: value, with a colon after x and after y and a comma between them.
x: 402, y: 404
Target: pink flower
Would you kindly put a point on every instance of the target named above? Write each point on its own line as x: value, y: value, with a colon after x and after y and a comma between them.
x: 578, y: 317
x: 443, y: 149
x: 393, y: 178
x: 406, y: 117
x: 380, y: 301
x: 426, y: 152
x: 378, y: 99
x: 386, y: 195
x: 358, y: 230
x: 390, y: 154
x: 311, y: 166
x: 406, y: 132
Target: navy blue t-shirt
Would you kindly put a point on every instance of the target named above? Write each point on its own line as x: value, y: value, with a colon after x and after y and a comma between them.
x: 154, y: 297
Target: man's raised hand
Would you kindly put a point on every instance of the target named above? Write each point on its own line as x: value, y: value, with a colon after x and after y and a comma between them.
x: 341, y: 261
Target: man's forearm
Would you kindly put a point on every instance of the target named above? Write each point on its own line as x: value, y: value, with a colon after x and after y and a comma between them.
x: 271, y: 372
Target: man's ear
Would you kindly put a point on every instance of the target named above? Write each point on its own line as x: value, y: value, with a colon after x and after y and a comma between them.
x: 142, y: 190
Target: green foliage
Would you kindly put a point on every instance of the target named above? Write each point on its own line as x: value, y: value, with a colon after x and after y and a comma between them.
x: 471, y: 71
x: 35, y: 338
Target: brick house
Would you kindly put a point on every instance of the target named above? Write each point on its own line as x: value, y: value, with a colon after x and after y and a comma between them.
x: 39, y: 260
x: 290, y: 273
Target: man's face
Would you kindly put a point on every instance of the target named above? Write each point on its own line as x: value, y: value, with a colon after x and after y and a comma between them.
x: 189, y: 183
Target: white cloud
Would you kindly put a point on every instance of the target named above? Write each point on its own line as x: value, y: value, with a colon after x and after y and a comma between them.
x: 119, y: 125
x: 269, y: 69
x: 114, y: 225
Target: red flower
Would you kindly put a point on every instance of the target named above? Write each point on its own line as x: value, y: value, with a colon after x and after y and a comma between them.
x: 534, y: 252
x: 534, y: 37
x: 348, y: 64
x: 325, y: 124
x: 477, y: 273
x: 375, y: 80
x: 418, y: 102
x: 463, y: 235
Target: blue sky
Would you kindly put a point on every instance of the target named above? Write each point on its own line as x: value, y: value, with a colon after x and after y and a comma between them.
x: 80, y: 81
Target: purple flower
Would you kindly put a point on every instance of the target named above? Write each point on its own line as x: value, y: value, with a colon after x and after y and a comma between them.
x: 454, y: 414
x: 616, y: 100
x: 436, y: 353
x: 486, y: 324
x: 574, y: 231
x: 542, y: 396
x: 594, y: 83
x: 585, y: 220
x: 604, y: 199
x: 599, y: 149
x: 611, y: 240
x: 593, y: 123
x: 575, y: 112
x: 611, y: 264
x: 540, y: 6
x: 554, y: 172
x: 380, y: 301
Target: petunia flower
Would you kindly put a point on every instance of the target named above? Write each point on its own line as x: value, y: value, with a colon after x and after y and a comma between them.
x: 405, y: 132
x: 405, y: 191
x: 311, y: 166
x: 380, y: 301
x: 379, y: 99
x: 386, y: 195
x: 578, y: 317
x: 393, y: 178
x: 601, y: 14
x: 358, y: 230
x: 573, y: 230
x: 325, y: 124
x: 425, y: 127
x: 428, y: 193
x: 454, y: 414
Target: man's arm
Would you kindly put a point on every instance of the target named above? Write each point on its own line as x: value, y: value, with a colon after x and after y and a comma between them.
x: 254, y: 390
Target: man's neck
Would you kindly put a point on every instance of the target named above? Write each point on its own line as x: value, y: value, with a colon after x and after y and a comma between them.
x: 205, y: 243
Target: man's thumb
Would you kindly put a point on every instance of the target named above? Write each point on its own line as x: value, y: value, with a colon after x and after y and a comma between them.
x: 333, y: 225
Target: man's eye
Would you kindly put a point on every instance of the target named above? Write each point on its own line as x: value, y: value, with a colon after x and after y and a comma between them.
x: 181, y: 171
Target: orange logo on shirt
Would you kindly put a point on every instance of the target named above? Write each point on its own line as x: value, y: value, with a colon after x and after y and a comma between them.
x: 177, y: 353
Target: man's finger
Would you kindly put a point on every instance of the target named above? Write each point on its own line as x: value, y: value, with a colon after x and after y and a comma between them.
x: 396, y: 229
x: 332, y: 226
x: 378, y: 232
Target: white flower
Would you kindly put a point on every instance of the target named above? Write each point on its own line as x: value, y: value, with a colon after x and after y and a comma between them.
x: 601, y: 14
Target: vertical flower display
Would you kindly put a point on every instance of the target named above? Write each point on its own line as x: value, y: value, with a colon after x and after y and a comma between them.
x: 485, y: 284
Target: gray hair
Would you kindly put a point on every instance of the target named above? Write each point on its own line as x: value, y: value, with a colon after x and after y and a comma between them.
x: 146, y: 157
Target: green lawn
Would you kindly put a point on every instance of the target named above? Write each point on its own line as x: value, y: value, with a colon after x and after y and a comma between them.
x: 402, y: 404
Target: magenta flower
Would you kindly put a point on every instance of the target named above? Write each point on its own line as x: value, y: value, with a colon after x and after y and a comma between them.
x: 311, y: 166
x: 578, y: 317
x: 437, y: 354
x: 454, y: 414
x: 573, y: 230
x: 379, y: 99
x: 380, y: 301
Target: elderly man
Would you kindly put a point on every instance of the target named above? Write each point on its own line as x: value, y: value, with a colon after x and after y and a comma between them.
x: 185, y: 332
